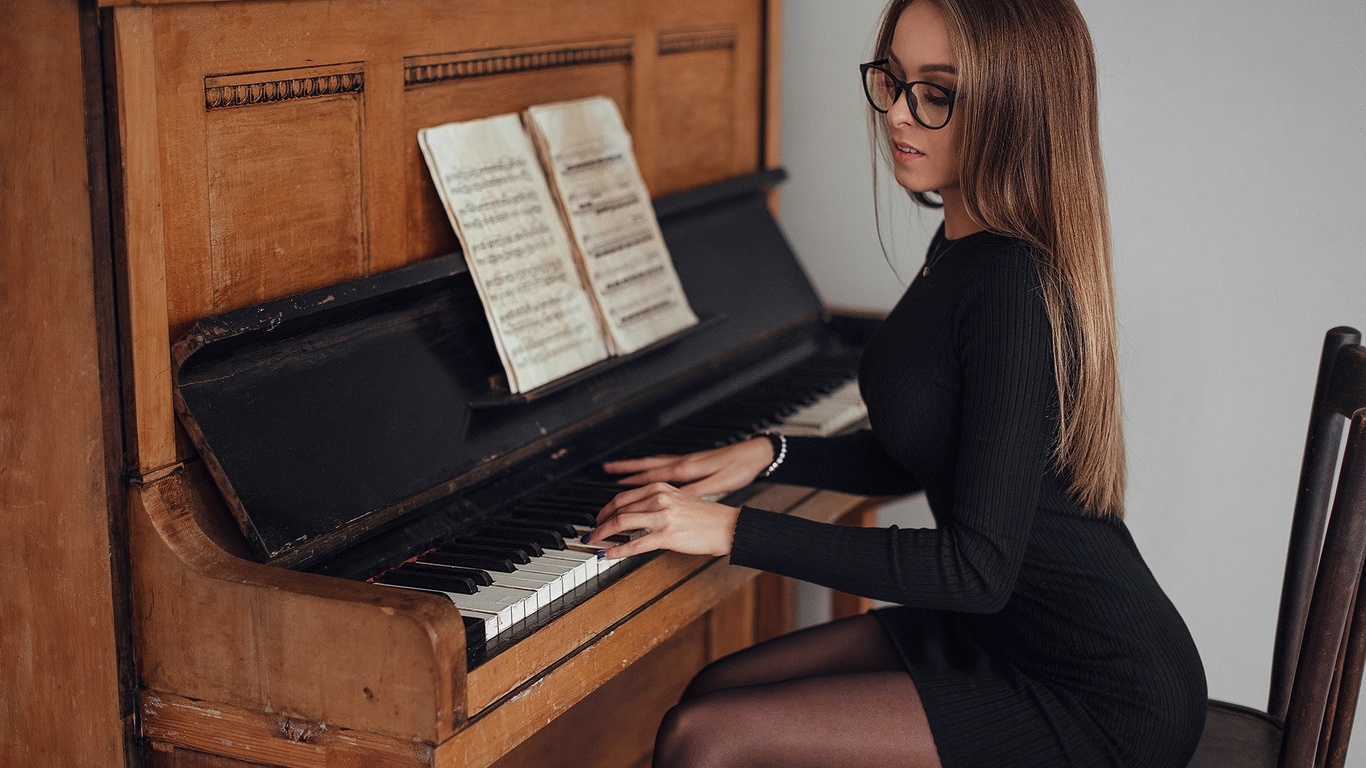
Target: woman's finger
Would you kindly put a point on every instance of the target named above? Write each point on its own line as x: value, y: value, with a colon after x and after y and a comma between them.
x: 685, y: 469
x: 639, y: 545
x: 708, y: 486
x: 661, y: 475
x: 633, y: 520
x: 637, y: 465
x: 631, y: 496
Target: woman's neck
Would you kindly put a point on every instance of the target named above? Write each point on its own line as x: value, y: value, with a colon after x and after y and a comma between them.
x: 957, y: 221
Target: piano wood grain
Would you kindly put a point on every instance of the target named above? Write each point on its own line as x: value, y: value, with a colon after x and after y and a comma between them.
x: 243, y: 664
x: 217, y: 628
x: 205, y: 731
x: 346, y: 669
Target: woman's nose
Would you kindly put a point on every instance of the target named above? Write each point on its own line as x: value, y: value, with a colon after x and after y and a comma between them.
x: 900, y: 111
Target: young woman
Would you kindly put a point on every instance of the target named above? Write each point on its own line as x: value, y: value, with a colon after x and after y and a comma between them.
x: 1028, y: 630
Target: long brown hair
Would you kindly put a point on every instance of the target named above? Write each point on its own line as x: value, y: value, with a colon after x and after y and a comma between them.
x: 1031, y: 169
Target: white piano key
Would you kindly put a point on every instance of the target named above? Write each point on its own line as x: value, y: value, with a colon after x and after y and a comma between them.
x: 589, y: 562
x: 539, y: 588
x: 508, y: 610
x: 494, y: 622
x: 552, y: 584
x: 593, y: 549
x: 833, y: 412
x: 487, y: 605
x: 528, y: 597
x: 565, y: 573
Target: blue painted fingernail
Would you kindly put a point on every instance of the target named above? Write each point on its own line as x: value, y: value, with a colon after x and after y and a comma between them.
x: 602, y: 553
x: 585, y: 538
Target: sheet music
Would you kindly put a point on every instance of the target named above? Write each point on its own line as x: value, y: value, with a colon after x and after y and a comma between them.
x: 588, y: 152
x: 496, y: 196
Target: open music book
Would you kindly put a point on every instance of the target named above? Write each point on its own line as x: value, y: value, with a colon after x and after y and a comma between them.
x: 570, y: 270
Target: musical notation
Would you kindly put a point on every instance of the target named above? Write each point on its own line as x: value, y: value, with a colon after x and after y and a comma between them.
x: 587, y: 151
x: 544, y: 323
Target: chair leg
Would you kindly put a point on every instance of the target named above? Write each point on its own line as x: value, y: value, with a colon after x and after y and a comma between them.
x: 1331, y: 610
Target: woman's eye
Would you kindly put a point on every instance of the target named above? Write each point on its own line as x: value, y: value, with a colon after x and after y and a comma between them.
x: 938, y: 99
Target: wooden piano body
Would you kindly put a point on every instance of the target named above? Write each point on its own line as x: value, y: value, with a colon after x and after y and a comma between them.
x: 263, y: 149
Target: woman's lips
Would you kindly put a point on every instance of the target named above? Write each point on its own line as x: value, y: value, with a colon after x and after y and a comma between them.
x: 904, y: 153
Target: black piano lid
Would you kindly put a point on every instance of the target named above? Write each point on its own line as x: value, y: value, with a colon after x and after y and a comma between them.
x: 327, y: 415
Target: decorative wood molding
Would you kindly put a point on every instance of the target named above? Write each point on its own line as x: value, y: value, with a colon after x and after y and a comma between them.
x: 692, y: 40
x: 422, y: 70
x: 267, y: 87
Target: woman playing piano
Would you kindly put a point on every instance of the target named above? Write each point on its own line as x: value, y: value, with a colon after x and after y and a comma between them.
x: 1027, y: 629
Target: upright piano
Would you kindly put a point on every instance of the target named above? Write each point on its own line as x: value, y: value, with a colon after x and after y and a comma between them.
x: 330, y: 492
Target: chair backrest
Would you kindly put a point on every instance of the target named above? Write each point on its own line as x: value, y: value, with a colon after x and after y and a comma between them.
x: 1308, y: 523
x: 1321, y: 634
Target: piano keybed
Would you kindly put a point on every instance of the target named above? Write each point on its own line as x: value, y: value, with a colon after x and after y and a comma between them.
x: 527, y: 565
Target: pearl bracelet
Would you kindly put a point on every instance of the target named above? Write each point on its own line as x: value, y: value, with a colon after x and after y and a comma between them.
x: 779, y: 442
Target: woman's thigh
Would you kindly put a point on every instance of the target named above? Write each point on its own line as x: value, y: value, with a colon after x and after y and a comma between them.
x: 868, y: 719
x: 854, y: 644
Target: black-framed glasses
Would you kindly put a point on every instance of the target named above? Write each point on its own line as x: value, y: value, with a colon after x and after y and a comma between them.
x: 931, y: 104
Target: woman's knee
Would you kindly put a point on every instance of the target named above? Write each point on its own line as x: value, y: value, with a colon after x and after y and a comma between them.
x: 710, y: 678
x: 695, y: 733
x: 677, y: 738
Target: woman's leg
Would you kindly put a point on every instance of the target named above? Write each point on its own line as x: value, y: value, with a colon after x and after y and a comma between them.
x: 866, y: 719
x: 853, y: 644
x: 832, y: 694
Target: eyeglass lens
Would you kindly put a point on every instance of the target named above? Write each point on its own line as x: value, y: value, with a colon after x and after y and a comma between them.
x: 928, y: 102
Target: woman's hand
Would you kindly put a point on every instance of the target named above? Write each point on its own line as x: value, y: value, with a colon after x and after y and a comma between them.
x: 669, y: 518
x: 705, y: 473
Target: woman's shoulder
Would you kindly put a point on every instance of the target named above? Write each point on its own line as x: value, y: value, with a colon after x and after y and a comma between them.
x: 1001, y: 282
x: 994, y: 255
x: 992, y: 263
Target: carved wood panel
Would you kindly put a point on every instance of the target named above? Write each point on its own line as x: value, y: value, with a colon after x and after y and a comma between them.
x: 285, y: 183
x: 697, y: 107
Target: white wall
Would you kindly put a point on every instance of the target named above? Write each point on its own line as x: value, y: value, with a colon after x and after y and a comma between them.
x: 1236, y: 156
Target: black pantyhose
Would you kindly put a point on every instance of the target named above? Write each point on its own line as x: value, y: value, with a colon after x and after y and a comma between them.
x: 831, y: 695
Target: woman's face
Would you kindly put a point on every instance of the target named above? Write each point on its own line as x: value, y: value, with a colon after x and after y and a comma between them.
x: 923, y: 160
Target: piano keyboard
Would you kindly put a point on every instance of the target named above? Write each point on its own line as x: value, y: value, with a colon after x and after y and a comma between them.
x: 833, y: 413
x: 528, y: 565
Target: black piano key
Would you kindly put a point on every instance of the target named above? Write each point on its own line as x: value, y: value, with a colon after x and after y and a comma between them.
x: 468, y: 560
x: 494, y: 538
x: 474, y: 635
x: 607, y: 484
x: 547, y: 505
x: 542, y: 538
x: 442, y: 582
x: 480, y: 577
x: 467, y: 546
x: 560, y: 525
x: 565, y: 492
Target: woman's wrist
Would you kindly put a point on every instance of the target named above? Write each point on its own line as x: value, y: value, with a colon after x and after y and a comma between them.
x: 778, y: 445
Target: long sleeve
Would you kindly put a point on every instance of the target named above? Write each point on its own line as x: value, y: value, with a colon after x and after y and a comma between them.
x: 985, y: 499
x: 853, y: 463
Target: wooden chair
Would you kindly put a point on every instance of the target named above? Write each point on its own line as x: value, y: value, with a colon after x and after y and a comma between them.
x: 1321, y: 630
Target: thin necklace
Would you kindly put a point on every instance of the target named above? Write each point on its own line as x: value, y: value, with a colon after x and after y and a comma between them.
x: 938, y: 254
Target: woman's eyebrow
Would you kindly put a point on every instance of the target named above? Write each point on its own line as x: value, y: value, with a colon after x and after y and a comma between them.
x: 947, y: 69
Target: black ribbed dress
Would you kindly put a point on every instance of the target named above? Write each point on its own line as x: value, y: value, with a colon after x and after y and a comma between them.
x: 1032, y: 628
